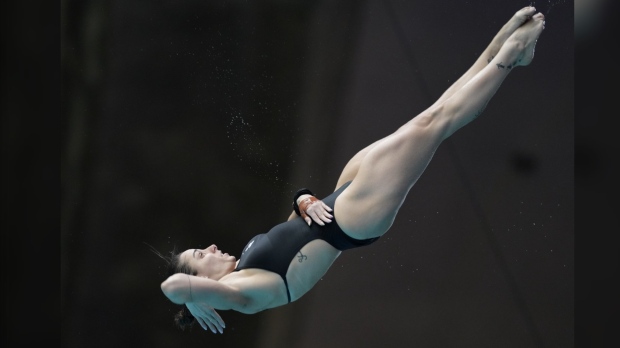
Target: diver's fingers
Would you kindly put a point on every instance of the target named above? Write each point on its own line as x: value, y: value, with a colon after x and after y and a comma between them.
x: 326, y: 218
x: 205, y: 325
x: 217, y: 321
x: 326, y: 206
x: 317, y: 218
x: 306, y: 218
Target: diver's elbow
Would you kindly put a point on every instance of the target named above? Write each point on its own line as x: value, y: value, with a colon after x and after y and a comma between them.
x: 172, y: 291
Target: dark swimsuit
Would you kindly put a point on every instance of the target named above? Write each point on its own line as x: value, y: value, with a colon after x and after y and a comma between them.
x: 274, y: 250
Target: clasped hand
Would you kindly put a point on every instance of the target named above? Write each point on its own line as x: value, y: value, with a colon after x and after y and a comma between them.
x: 206, y: 316
x: 313, y: 209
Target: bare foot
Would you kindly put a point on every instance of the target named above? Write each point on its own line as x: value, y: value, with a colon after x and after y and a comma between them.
x: 520, y: 17
x: 523, y: 40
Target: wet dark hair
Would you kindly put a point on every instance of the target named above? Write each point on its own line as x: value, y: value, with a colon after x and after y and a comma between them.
x: 183, y: 319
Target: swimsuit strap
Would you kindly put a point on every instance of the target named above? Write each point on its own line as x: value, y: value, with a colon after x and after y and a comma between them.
x: 288, y: 294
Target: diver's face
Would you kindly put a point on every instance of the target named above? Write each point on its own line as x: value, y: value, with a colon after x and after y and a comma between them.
x: 209, y: 262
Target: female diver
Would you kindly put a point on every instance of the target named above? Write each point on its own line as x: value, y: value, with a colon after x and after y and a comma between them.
x: 279, y: 267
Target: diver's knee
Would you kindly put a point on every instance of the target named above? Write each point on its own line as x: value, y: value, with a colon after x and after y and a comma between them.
x: 430, y: 116
x: 432, y: 122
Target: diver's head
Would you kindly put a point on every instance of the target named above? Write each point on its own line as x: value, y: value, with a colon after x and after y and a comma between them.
x: 209, y: 262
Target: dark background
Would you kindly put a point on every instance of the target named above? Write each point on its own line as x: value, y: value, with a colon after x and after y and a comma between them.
x: 185, y: 124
